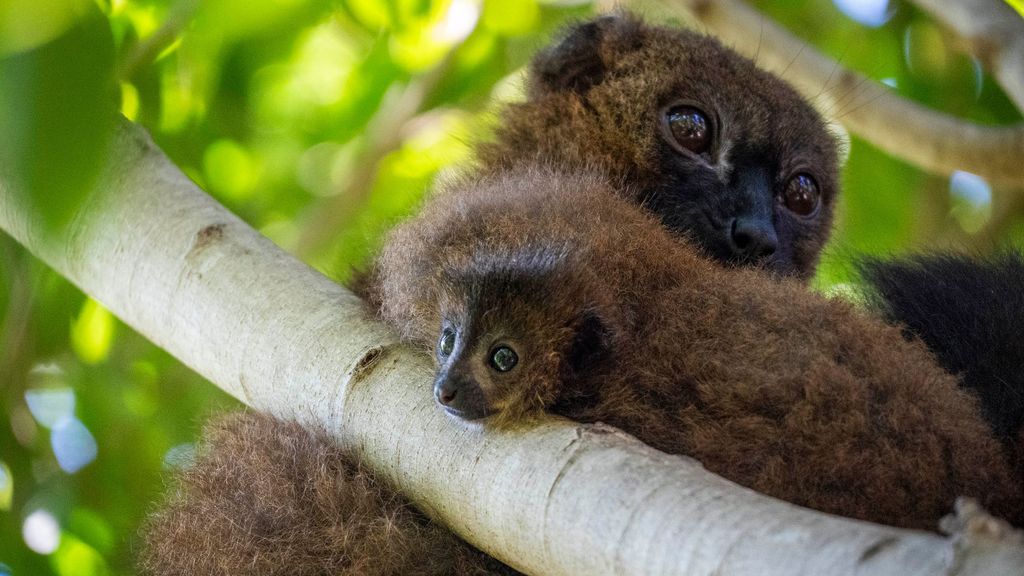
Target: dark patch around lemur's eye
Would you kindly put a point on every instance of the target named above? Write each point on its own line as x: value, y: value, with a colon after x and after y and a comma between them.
x: 801, y: 195
x: 447, y: 343
x: 504, y: 358
x: 690, y: 128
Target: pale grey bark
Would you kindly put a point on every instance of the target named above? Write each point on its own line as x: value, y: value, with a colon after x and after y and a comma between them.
x: 555, y: 498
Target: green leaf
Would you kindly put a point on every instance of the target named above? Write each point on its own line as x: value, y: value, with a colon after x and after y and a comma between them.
x: 58, y: 105
x: 6, y: 487
x: 76, y: 558
x: 92, y: 333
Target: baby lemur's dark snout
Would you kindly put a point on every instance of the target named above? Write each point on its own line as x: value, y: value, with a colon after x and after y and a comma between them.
x: 460, y: 394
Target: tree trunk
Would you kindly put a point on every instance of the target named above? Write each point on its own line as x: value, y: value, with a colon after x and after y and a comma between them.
x: 557, y: 498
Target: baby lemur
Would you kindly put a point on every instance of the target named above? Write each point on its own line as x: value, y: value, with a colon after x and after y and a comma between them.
x: 539, y: 291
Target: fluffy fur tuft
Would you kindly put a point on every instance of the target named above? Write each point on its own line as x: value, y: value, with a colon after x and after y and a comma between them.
x: 269, y: 497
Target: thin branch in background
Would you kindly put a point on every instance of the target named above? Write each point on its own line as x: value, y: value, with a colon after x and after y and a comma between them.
x: 384, y: 134
x: 993, y: 32
x: 935, y: 142
x: 149, y: 48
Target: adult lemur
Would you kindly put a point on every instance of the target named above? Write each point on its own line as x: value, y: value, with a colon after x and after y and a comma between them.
x: 693, y: 127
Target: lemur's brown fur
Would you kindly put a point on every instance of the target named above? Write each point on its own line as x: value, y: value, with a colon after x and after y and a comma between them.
x: 270, y: 497
x: 791, y: 394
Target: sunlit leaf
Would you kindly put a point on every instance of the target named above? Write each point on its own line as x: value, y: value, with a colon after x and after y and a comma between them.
x: 230, y: 170
x: 92, y: 332
x: 458, y: 21
x: 510, y: 17
x: 76, y: 558
x: 370, y: 13
x: 58, y: 103
x: 6, y: 487
x: 129, y: 101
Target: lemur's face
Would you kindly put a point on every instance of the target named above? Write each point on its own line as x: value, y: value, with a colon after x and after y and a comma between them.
x: 476, y: 371
x: 513, y: 351
x: 731, y: 182
x: 488, y: 360
x: 723, y: 152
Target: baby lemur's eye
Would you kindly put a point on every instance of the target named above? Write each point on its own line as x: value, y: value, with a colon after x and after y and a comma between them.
x: 801, y: 195
x: 447, y: 343
x: 690, y: 128
x: 504, y: 358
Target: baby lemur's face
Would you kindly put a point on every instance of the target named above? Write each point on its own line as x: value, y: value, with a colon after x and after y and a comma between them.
x: 505, y: 349
x: 723, y: 152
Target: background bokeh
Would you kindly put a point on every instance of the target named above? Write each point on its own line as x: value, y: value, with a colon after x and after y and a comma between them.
x: 321, y: 123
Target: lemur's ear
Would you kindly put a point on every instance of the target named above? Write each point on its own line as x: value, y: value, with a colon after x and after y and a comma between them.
x: 592, y: 343
x: 579, y: 61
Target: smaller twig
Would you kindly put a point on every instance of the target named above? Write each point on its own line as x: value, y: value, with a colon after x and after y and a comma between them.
x: 384, y: 134
x: 149, y: 48
x: 993, y: 32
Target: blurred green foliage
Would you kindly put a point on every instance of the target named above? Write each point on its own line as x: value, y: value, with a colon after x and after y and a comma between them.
x: 320, y: 122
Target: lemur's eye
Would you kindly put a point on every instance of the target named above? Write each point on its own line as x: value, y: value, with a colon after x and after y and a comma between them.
x: 447, y: 343
x: 801, y: 195
x: 690, y: 128
x: 504, y: 358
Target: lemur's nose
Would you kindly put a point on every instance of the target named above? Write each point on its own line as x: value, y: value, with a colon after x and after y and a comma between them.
x: 446, y: 393
x: 460, y: 396
x: 753, y: 238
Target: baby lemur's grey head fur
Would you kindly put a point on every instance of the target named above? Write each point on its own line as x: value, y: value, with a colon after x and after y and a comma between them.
x: 720, y: 150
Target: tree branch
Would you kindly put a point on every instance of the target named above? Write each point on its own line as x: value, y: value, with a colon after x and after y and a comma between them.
x: 557, y: 498
x: 994, y: 33
x: 936, y: 142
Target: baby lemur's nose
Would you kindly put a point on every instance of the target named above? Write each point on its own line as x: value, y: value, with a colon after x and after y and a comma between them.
x: 446, y: 394
x: 461, y: 397
x: 451, y: 392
